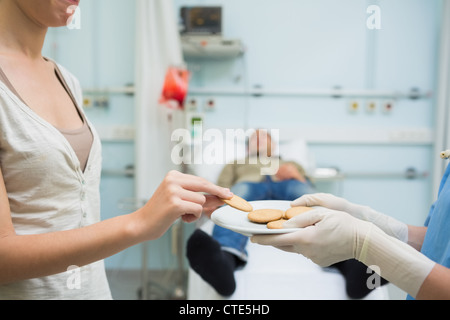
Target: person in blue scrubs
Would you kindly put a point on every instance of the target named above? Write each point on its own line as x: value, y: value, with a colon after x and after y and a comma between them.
x: 436, y: 244
x: 414, y: 258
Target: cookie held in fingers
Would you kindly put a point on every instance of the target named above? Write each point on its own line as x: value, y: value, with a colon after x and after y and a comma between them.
x: 277, y: 224
x: 265, y: 215
x: 295, y: 211
x: 238, y: 203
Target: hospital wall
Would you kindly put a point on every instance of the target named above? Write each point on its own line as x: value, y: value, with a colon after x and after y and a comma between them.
x: 319, y: 45
x: 290, y: 45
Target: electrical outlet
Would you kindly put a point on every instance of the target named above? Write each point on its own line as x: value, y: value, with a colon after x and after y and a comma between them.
x: 353, y: 106
x: 101, y: 102
x: 371, y: 106
x: 210, y: 105
x: 388, y: 106
x: 87, y: 102
x: 191, y: 105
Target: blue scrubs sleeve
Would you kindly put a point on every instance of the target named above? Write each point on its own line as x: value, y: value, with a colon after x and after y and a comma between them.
x: 436, y: 245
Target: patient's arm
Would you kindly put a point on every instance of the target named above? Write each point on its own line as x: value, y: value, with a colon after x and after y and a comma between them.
x: 290, y: 171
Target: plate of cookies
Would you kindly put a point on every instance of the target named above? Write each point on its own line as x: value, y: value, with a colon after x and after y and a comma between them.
x: 256, y: 217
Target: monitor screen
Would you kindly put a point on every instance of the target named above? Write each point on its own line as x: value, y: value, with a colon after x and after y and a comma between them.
x: 202, y: 20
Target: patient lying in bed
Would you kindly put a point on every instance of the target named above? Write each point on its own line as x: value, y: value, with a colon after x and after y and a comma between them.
x: 216, y: 257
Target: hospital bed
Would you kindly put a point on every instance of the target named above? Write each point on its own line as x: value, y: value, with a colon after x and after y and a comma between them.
x: 270, y: 273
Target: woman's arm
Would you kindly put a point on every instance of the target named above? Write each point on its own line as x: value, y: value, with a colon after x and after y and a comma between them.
x: 29, y: 256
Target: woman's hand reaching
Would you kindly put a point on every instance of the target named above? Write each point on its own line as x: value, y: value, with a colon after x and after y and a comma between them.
x: 178, y: 196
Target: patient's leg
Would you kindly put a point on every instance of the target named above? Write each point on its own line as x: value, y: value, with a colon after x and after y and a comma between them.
x: 356, y: 276
x: 215, y: 266
x: 251, y: 191
x: 216, y: 257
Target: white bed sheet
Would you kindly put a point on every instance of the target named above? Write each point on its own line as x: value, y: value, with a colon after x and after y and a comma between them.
x: 272, y: 274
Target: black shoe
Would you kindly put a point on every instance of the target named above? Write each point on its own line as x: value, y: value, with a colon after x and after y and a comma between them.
x: 214, y: 265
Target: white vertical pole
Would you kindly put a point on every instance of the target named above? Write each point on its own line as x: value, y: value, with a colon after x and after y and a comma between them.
x: 442, y: 138
x: 157, y: 47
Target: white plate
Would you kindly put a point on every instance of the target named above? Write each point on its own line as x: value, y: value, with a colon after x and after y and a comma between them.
x: 237, y: 220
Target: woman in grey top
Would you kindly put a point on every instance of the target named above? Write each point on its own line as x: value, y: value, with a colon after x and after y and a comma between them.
x: 49, y: 183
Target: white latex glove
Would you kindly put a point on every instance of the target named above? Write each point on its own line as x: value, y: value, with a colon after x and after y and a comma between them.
x: 386, y: 223
x: 328, y: 236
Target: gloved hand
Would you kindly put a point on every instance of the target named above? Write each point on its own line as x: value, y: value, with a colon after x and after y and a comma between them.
x: 328, y: 236
x: 386, y: 223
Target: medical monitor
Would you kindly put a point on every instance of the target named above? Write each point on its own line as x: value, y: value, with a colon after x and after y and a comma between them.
x: 201, y: 20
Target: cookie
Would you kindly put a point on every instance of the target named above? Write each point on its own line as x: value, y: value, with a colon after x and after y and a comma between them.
x: 277, y: 224
x: 294, y: 211
x: 238, y: 203
x: 265, y: 215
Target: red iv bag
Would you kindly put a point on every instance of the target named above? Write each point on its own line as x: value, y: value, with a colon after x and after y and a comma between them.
x: 175, y: 88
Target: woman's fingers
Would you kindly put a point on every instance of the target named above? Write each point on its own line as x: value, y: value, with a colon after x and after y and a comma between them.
x: 212, y: 201
x: 192, y: 195
x: 188, y: 218
x: 197, y: 184
x: 208, y: 201
x: 195, y: 203
x: 188, y: 207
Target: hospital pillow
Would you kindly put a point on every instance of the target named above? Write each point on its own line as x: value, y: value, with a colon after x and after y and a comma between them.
x: 290, y: 150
